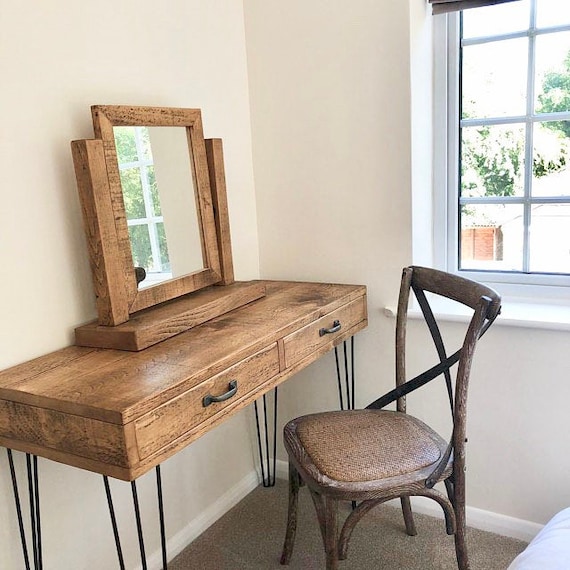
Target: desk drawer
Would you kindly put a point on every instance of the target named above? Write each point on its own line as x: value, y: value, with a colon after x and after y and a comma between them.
x: 323, y: 331
x: 174, y: 418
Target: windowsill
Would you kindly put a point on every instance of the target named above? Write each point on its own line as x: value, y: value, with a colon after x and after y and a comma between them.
x: 516, y: 313
x: 535, y: 315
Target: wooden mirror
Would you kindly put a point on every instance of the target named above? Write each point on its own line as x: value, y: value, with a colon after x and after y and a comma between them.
x: 117, y: 290
x: 139, y: 259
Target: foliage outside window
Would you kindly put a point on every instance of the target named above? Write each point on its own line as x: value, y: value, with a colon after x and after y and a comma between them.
x: 513, y: 203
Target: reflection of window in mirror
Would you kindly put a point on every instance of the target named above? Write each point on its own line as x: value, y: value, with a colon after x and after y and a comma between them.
x: 160, y: 204
x: 142, y: 203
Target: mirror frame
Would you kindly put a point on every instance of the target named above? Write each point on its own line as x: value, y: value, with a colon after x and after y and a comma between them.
x: 101, y: 195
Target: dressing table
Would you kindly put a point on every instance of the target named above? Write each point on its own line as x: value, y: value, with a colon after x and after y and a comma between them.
x: 166, y: 362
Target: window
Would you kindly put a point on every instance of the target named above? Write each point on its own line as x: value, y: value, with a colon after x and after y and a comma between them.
x: 142, y: 203
x: 508, y: 152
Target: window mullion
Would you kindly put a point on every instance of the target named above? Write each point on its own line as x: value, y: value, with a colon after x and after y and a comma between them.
x: 446, y: 176
x: 529, y: 133
x: 149, y: 208
x: 454, y: 165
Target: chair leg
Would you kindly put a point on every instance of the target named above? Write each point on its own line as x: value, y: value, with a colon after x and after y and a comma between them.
x: 326, y: 508
x: 294, y: 484
x: 350, y: 523
x: 460, y: 531
x: 408, y: 516
x: 460, y: 544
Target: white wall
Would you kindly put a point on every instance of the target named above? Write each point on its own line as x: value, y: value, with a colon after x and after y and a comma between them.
x: 341, y: 102
x: 329, y: 88
x: 58, y: 58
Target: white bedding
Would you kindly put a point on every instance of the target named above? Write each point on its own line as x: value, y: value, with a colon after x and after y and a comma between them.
x: 549, y: 549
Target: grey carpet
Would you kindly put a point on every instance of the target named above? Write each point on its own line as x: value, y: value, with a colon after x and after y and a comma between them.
x: 250, y: 536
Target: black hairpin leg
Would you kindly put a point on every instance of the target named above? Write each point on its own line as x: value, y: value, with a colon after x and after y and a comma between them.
x: 348, y: 388
x: 138, y: 520
x: 348, y: 377
x: 34, y: 502
x: 139, y: 524
x: 114, y: 522
x: 161, y: 518
x: 265, y: 453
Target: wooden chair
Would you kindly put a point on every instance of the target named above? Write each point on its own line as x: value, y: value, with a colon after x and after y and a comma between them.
x: 372, y: 455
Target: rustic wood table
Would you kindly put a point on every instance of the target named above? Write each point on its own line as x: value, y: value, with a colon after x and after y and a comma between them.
x: 121, y: 413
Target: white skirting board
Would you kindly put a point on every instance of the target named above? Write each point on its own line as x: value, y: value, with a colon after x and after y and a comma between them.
x: 476, y: 518
x: 484, y: 520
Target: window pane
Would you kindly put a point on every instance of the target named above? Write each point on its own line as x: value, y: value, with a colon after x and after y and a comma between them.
x: 551, y: 177
x: 553, y: 73
x: 132, y: 193
x: 140, y: 246
x: 494, y: 20
x: 125, y: 144
x: 550, y: 238
x: 491, y: 237
x: 494, y: 79
x: 492, y: 160
x: 552, y: 13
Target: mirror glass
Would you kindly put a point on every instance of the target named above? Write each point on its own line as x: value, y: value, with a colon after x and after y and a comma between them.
x: 158, y: 188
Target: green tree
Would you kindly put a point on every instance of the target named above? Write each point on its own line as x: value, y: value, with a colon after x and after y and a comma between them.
x: 132, y: 193
x: 555, y: 97
x: 125, y: 144
x: 491, y: 161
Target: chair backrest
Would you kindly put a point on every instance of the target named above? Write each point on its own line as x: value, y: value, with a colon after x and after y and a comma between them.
x: 485, y: 304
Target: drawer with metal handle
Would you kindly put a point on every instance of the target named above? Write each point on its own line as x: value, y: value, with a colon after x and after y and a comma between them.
x: 179, y: 415
x: 324, y: 332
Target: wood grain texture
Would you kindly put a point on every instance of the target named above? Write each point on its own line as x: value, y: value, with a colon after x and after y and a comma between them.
x: 99, y: 223
x: 101, y: 441
x: 128, y: 115
x: 11, y: 377
x: 107, y: 399
x: 215, y: 156
x: 151, y: 326
x: 103, y: 127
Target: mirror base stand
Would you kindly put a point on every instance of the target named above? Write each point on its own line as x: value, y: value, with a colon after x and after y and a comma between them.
x: 160, y: 322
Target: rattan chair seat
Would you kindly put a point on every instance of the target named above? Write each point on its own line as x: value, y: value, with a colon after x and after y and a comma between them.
x: 367, y: 445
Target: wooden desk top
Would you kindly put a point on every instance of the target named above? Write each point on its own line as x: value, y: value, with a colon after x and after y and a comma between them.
x: 120, y: 413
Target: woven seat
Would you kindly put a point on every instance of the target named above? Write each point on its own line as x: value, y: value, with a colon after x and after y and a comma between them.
x: 373, y: 455
x: 366, y: 445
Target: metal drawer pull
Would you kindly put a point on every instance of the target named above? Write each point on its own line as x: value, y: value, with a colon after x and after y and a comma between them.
x: 335, y: 328
x: 209, y: 399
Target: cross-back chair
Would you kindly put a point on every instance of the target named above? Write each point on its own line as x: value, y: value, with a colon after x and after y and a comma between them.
x: 372, y: 455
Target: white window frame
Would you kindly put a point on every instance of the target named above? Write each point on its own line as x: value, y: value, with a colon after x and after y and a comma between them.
x: 518, y: 286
